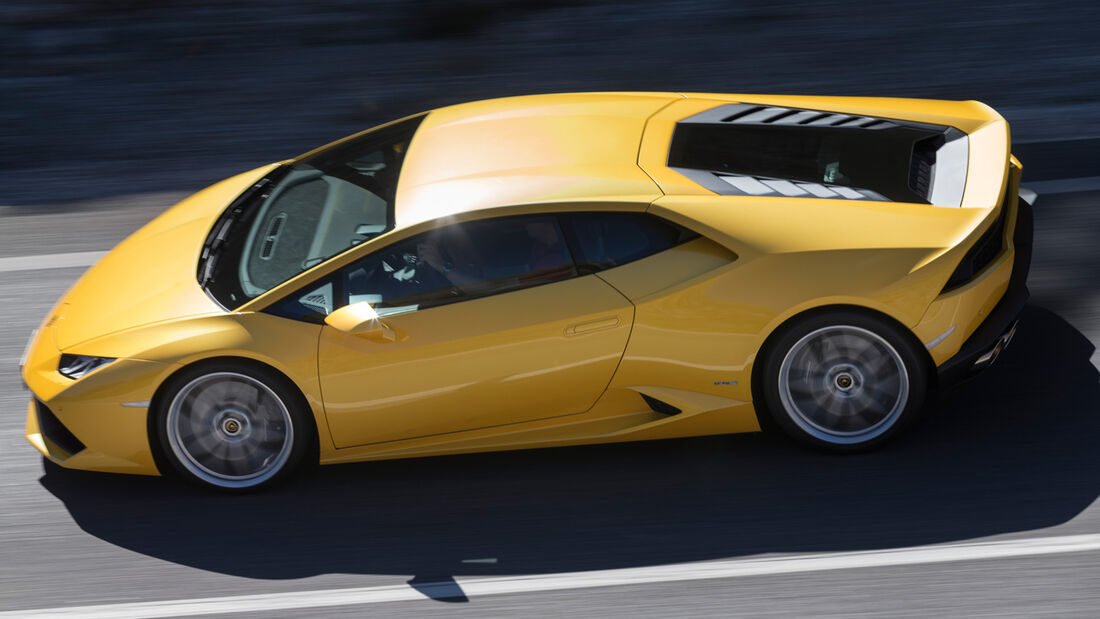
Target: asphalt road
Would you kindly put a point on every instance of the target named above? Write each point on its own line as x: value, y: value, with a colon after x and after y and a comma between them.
x: 1011, y: 455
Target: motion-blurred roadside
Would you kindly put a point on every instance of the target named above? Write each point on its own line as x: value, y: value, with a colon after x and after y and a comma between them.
x: 116, y: 97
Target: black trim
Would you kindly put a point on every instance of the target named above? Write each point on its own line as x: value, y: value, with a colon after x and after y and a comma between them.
x: 984, y: 251
x: 55, y: 432
x: 239, y: 213
x: 1002, y: 319
x: 288, y: 307
x: 658, y: 406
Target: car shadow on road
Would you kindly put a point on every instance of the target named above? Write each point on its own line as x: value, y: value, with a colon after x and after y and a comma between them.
x: 1011, y: 451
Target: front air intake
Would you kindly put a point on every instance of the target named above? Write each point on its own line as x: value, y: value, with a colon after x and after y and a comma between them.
x: 64, y: 443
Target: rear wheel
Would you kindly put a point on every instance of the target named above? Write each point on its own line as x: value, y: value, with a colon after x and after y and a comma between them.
x: 843, y: 381
x: 232, y: 427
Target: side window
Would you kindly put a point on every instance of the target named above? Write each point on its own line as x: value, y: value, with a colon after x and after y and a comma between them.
x: 605, y: 240
x: 455, y: 263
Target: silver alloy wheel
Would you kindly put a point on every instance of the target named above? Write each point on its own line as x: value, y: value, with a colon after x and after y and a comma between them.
x: 843, y: 384
x: 229, y: 430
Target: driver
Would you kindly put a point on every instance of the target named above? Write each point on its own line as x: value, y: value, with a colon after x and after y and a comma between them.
x: 441, y: 273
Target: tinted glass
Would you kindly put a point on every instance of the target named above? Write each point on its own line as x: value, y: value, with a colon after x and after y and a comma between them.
x: 305, y: 214
x: 455, y: 263
x: 605, y: 240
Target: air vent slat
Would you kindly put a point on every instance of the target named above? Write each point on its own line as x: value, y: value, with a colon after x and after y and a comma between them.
x: 276, y: 224
x: 786, y: 114
x: 798, y: 118
x: 820, y: 191
x: 786, y: 188
x: 762, y: 116
x: 748, y: 185
x: 813, y: 119
x: 743, y: 113
x: 848, y: 192
x: 759, y: 186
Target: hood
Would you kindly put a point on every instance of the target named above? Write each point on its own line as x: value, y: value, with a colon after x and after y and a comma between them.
x: 151, y: 276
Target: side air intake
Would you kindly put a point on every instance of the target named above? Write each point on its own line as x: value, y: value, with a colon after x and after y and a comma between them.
x: 660, y: 407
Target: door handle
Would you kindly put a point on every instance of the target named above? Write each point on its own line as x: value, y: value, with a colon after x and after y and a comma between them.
x: 589, y: 326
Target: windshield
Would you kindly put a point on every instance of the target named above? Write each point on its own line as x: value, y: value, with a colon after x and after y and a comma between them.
x: 305, y: 213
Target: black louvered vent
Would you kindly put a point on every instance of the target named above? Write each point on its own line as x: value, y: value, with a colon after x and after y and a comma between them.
x: 920, y: 165
x: 747, y: 114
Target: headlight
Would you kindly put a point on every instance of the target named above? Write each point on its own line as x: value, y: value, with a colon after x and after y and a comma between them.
x: 75, y: 366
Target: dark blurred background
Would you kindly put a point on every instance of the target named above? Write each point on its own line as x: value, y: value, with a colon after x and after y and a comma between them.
x: 125, y: 96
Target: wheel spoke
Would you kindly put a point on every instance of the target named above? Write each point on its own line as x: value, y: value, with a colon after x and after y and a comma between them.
x: 843, y: 384
x: 229, y: 429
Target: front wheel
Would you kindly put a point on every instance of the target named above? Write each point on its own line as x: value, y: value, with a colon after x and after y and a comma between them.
x: 843, y: 381
x: 231, y: 427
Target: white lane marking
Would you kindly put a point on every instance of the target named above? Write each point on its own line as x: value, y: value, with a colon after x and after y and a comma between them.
x: 485, y: 586
x: 50, y: 261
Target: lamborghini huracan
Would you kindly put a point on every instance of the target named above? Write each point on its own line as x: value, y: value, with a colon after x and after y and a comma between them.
x: 547, y: 270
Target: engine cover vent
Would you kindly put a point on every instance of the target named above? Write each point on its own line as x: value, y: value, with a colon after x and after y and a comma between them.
x: 745, y: 149
x: 749, y: 114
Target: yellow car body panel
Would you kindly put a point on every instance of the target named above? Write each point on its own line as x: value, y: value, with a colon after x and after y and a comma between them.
x: 685, y: 325
x: 525, y: 149
x: 150, y: 276
x: 464, y: 366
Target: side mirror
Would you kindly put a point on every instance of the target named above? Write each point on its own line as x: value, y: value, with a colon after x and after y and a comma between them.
x: 360, y: 319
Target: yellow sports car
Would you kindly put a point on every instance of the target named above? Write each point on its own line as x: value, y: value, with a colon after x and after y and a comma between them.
x: 547, y: 270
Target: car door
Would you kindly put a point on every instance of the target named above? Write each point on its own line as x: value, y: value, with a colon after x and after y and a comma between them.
x: 492, y: 325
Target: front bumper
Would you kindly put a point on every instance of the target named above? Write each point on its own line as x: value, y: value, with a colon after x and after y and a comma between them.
x: 97, y: 422
x: 51, y: 437
x: 993, y: 335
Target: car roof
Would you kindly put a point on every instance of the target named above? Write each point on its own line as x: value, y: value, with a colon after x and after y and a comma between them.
x: 522, y: 150
x: 609, y: 147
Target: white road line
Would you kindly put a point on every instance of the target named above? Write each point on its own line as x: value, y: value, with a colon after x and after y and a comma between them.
x: 485, y: 586
x: 50, y: 261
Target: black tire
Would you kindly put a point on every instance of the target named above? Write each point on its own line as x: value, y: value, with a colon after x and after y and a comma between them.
x: 842, y: 380
x: 232, y: 426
